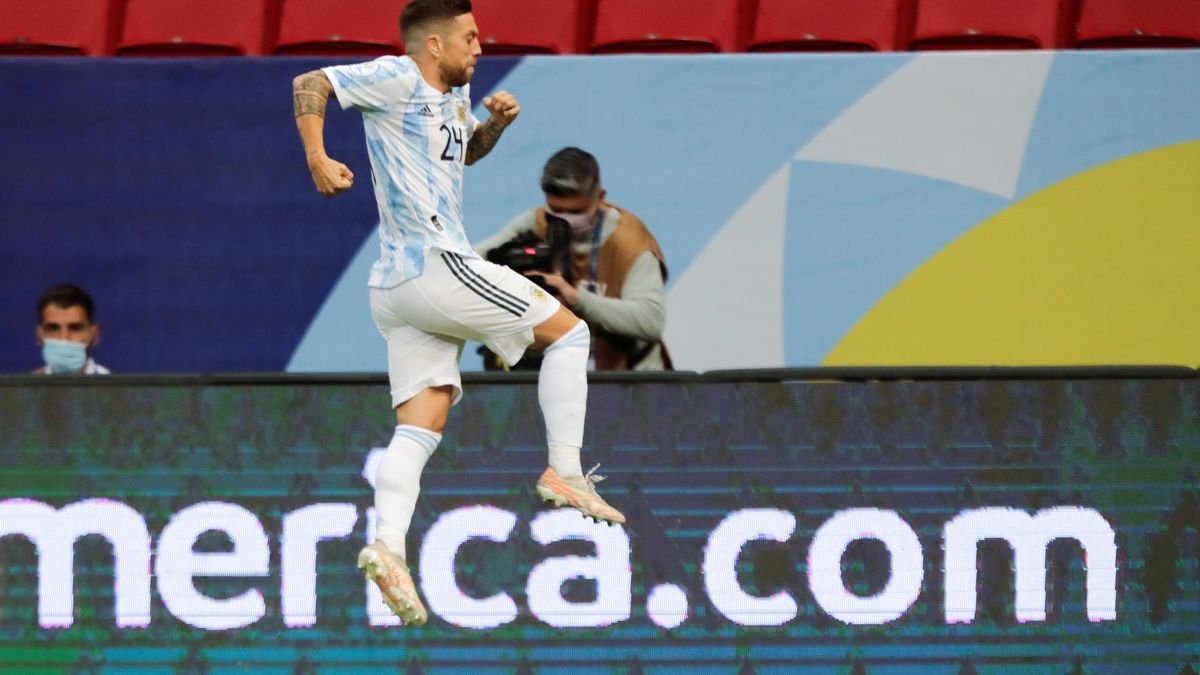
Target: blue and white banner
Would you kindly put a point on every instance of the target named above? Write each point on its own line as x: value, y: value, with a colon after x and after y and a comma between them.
x: 884, y: 209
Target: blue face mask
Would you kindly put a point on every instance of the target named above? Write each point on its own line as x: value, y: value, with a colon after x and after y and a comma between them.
x: 64, y: 356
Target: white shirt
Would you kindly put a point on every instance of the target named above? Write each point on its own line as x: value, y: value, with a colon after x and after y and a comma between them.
x: 89, y: 368
x: 417, y: 140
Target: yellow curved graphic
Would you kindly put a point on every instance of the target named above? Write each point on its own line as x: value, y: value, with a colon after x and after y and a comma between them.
x: 1102, y: 268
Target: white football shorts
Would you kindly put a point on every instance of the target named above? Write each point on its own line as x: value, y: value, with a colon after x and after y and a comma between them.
x: 427, y: 319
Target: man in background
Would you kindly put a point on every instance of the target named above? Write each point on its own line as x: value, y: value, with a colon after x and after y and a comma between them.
x: 614, y: 272
x: 67, y: 332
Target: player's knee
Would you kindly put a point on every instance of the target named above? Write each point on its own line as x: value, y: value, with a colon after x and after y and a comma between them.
x: 578, y: 337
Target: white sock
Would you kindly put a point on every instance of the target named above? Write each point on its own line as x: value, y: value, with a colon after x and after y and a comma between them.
x: 398, y: 482
x: 562, y: 393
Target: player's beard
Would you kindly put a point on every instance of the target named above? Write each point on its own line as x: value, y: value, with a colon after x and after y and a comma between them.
x: 455, y: 76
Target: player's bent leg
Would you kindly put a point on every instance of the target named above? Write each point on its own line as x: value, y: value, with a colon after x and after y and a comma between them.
x: 397, y: 486
x: 562, y: 393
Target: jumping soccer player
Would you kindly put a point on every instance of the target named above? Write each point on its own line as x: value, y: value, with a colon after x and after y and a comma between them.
x: 430, y: 292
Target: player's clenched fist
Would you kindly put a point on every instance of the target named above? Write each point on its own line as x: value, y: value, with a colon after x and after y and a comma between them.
x: 329, y: 175
x: 503, y: 107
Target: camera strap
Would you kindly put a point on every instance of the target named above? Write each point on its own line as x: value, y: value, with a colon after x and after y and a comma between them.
x: 593, y: 265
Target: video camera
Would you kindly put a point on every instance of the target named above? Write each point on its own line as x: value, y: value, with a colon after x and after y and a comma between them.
x: 527, y: 253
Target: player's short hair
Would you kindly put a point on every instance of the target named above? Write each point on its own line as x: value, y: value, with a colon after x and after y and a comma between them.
x: 66, y: 295
x: 571, y: 172
x: 419, y: 16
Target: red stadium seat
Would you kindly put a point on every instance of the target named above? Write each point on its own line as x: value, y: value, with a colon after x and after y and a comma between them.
x: 822, y: 25
x: 1105, y: 24
x: 56, y: 27
x: 676, y: 26
x: 324, y: 28
x: 193, y: 28
x: 528, y: 26
x: 985, y: 24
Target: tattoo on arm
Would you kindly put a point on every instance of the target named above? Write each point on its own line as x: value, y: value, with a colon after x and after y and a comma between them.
x: 310, y: 92
x: 483, y: 140
x: 307, y: 103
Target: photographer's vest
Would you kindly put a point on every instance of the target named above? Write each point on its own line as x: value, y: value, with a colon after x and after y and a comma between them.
x: 616, y: 255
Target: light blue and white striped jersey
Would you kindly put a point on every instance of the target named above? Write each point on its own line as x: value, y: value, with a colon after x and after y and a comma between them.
x: 417, y: 140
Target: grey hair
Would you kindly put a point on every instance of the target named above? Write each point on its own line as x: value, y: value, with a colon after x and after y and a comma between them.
x: 571, y: 172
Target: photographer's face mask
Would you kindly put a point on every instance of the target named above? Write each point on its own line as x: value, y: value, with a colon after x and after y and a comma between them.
x: 581, y: 212
x: 580, y: 223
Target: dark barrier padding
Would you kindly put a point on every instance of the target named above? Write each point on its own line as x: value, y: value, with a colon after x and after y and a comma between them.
x: 831, y: 374
x: 774, y: 527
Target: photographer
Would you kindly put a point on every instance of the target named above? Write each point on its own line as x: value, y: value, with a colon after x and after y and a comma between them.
x: 597, y: 258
